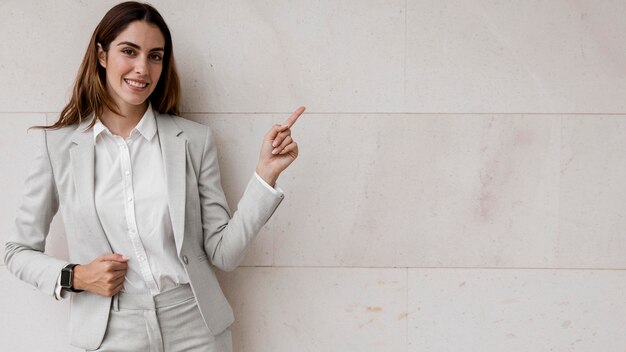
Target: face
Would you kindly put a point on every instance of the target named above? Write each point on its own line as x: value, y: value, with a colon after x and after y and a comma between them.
x: 133, y: 64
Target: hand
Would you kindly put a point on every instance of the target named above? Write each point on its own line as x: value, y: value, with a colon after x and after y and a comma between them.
x: 104, y: 275
x: 278, y: 150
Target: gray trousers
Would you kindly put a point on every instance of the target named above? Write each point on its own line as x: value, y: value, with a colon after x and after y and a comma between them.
x: 167, y: 322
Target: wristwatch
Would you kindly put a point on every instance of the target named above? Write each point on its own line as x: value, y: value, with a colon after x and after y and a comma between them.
x: 67, y: 278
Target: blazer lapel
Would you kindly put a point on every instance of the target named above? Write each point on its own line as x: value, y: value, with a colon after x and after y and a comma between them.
x: 174, y: 151
x: 82, y: 158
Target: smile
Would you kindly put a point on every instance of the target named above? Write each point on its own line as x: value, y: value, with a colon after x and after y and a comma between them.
x: 135, y: 84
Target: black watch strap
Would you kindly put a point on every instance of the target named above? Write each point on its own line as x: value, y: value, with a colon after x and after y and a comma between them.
x: 67, y: 278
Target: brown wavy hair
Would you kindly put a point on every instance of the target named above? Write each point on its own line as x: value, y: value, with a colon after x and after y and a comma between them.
x: 90, y: 94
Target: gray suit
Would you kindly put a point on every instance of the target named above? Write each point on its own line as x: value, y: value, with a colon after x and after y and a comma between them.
x: 63, y: 176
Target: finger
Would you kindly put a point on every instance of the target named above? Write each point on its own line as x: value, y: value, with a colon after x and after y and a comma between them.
x: 113, y: 257
x: 119, y: 274
x: 273, y: 132
x: 119, y: 277
x: 282, y: 146
x: 280, y: 137
x: 294, y: 117
x: 118, y: 288
x: 292, y: 147
x: 116, y: 266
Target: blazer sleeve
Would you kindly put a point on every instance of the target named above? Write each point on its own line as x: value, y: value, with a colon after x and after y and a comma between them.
x: 24, y: 251
x: 226, y: 238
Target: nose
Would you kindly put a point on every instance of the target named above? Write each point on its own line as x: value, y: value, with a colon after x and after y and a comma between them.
x: 141, y: 65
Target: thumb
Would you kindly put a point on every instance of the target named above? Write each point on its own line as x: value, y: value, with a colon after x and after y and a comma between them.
x: 113, y: 257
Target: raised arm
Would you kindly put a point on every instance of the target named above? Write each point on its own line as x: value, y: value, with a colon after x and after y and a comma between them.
x: 226, y: 238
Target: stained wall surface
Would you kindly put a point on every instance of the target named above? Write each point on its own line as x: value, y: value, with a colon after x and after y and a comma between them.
x: 460, y: 185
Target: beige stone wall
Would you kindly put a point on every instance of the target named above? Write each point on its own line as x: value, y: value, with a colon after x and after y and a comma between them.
x: 461, y: 183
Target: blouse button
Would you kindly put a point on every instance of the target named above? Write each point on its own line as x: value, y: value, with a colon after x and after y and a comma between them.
x: 185, y: 260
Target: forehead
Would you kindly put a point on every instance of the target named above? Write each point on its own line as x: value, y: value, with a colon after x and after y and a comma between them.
x: 144, y: 34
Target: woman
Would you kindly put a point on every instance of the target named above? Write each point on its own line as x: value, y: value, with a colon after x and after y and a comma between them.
x: 140, y: 195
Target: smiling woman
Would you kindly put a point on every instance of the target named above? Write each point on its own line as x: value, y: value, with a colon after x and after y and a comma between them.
x: 139, y: 190
x: 139, y: 24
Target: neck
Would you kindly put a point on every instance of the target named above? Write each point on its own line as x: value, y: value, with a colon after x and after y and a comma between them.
x: 122, y: 124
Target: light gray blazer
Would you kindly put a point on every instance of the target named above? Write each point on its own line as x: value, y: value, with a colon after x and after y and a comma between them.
x: 62, y: 176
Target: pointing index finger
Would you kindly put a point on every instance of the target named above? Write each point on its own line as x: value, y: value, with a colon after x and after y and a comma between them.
x: 292, y: 119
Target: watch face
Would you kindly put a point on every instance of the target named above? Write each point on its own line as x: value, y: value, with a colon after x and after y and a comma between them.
x: 65, y: 278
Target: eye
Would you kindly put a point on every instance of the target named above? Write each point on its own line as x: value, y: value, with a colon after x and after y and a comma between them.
x: 156, y: 57
x: 128, y: 51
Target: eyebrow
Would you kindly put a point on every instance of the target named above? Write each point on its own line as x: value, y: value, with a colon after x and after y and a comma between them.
x: 138, y: 47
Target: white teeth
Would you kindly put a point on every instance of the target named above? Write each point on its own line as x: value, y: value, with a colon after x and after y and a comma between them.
x: 136, y: 84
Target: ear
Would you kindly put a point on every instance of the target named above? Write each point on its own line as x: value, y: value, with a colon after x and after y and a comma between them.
x: 102, y: 56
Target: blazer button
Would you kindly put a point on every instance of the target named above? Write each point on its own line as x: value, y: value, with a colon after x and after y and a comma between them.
x: 185, y: 260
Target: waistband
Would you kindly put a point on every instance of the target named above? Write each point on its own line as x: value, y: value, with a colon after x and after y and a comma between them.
x: 149, y: 302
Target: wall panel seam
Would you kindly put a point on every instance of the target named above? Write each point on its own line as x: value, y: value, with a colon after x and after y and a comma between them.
x: 405, y: 113
x: 366, y: 113
x: 429, y: 267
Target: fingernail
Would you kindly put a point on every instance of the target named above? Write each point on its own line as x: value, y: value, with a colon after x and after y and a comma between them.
x: 274, y: 144
x: 274, y: 151
x: 124, y: 257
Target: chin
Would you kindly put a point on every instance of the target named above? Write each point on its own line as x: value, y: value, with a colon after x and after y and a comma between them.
x: 136, y: 101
